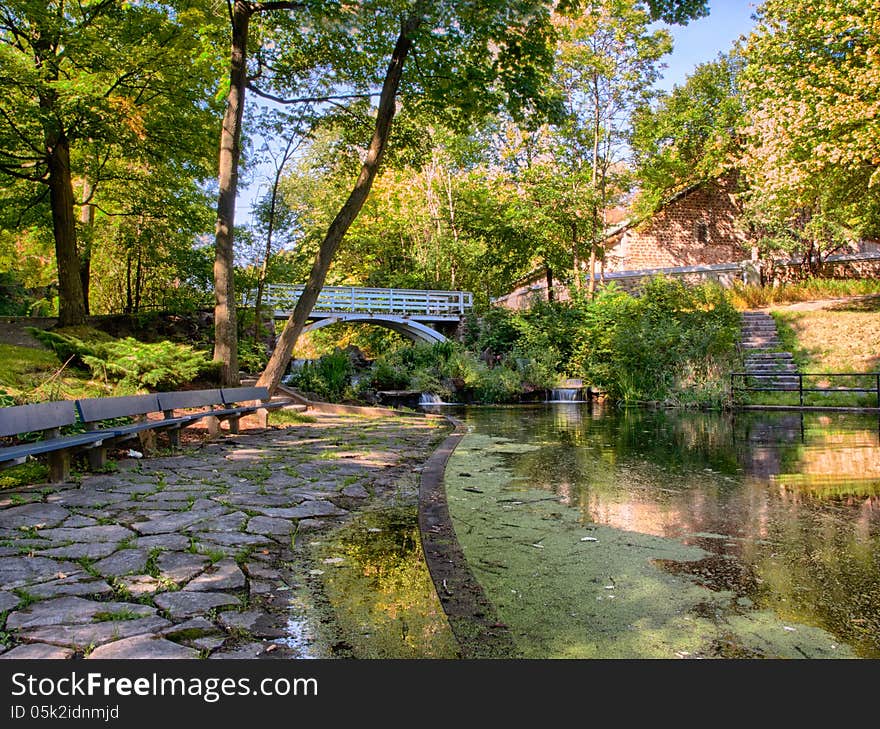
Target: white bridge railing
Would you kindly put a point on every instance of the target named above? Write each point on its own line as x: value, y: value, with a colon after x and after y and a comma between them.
x: 351, y: 299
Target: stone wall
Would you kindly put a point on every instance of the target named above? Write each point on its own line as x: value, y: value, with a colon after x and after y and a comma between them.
x: 863, y: 265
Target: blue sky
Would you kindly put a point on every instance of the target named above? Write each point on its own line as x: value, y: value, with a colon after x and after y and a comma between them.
x: 699, y: 41
x: 702, y: 40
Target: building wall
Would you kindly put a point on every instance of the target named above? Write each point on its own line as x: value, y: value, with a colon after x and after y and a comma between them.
x: 699, y: 227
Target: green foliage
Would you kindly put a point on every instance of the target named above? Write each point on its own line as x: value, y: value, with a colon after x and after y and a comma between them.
x: 386, y: 376
x: 162, y: 366
x: 497, y: 385
x: 133, y: 365
x: 24, y: 475
x: 493, y: 329
x: 71, y: 343
x: 13, y: 297
x: 252, y: 355
x: 811, y: 80
x: 328, y: 377
x: 691, y: 135
x: 669, y: 339
x: 127, y: 89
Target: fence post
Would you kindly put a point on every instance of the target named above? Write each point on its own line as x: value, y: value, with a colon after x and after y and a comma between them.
x: 801, y: 388
x: 732, y: 396
x: 878, y: 389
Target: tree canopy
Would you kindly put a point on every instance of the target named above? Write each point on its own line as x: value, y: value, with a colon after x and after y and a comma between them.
x: 811, y: 85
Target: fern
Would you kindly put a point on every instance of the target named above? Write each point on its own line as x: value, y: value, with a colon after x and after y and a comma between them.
x: 132, y: 364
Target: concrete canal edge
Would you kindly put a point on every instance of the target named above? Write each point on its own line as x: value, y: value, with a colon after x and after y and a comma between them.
x: 471, y: 615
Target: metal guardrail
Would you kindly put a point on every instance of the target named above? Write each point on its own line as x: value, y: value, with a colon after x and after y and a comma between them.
x: 873, y: 377
x: 352, y: 299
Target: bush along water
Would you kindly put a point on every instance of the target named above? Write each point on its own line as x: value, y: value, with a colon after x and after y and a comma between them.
x: 672, y: 344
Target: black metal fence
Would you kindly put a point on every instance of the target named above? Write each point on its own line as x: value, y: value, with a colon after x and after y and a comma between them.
x: 793, y: 382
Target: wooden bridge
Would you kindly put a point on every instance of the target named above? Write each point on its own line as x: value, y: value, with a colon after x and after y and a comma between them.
x: 411, y: 312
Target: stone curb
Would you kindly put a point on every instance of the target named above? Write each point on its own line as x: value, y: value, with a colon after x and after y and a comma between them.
x: 471, y: 615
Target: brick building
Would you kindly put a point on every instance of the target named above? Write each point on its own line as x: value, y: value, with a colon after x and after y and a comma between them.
x: 697, y: 234
x: 701, y: 225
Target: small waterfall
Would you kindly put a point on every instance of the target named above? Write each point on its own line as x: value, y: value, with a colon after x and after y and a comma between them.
x: 429, y: 398
x: 566, y: 394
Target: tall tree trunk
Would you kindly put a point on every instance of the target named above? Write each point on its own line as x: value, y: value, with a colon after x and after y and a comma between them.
x: 280, y: 358
x: 87, y: 220
x: 597, y: 122
x: 138, y: 282
x: 578, y: 283
x: 71, y: 307
x: 261, y: 281
x: 225, y: 321
x: 129, y: 299
x: 549, y: 273
x: 270, y: 230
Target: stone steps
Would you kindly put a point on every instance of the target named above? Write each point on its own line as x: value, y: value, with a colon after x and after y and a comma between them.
x: 772, y: 368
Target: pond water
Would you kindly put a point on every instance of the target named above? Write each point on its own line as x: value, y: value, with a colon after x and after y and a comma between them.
x: 651, y: 533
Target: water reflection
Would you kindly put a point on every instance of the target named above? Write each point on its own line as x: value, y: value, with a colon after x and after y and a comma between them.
x: 788, y: 503
x: 379, y: 589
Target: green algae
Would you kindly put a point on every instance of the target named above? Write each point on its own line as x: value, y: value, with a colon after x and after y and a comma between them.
x: 570, y: 588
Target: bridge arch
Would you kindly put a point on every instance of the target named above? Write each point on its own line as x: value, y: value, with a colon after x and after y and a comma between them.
x: 413, y: 330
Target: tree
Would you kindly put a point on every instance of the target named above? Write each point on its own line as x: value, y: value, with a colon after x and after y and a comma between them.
x: 692, y: 135
x: 270, y: 211
x: 571, y: 170
x: 83, y: 83
x: 500, y: 33
x: 812, y: 159
x: 472, y: 59
x: 294, y: 40
x: 608, y: 62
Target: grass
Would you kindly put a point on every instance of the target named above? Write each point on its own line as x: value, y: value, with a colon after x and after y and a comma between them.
x: 117, y: 615
x: 28, y: 375
x: 288, y: 417
x: 754, y: 297
x: 832, y: 340
x: 24, y: 475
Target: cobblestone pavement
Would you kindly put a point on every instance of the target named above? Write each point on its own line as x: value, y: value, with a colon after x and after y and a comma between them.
x: 199, y: 554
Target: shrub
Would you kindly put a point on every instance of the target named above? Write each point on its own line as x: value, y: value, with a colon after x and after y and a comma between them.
x: 328, y: 377
x: 132, y: 364
x: 499, y: 384
x: 666, y: 340
x: 385, y: 376
x: 252, y: 355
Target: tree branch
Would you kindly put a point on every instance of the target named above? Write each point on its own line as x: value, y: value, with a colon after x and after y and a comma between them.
x: 278, y: 5
x: 27, y: 142
x: 32, y: 204
x: 15, y: 172
x: 309, y: 99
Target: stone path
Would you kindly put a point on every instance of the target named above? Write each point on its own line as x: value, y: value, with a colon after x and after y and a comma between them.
x: 763, y: 353
x: 199, y: 554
